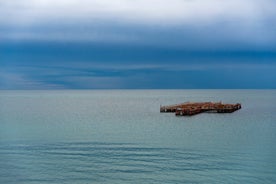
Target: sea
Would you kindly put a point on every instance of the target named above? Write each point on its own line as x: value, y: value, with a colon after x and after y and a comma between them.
x: 120, y: 136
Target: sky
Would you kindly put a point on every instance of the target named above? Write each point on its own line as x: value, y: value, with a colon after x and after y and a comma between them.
x: 137, y: 44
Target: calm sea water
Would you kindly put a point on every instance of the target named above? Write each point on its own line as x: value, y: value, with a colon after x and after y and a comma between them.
x: 119, y: 136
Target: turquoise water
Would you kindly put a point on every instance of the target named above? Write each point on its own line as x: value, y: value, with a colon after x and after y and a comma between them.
x: 119, y: 136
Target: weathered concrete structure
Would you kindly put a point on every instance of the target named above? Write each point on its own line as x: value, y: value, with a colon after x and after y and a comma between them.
x: 192, y: 108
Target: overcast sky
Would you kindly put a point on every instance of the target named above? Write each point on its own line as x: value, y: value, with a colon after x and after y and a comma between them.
x: 103, y: 44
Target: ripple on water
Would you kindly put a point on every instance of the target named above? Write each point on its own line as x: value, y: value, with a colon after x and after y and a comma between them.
x: 85, y: 162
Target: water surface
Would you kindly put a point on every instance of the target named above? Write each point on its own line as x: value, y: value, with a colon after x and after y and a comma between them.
x: 119, y: 136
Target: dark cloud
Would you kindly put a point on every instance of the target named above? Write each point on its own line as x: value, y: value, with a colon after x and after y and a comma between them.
x: 83, y: 66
